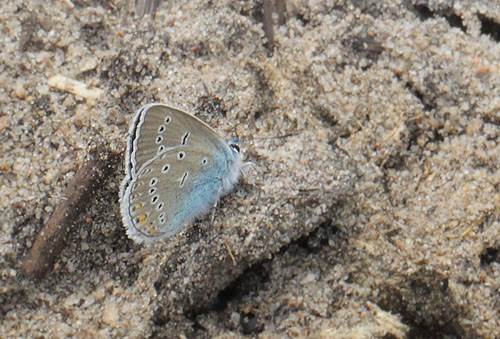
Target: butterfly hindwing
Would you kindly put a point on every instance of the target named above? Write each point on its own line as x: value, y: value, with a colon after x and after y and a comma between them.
x: 171, y: 190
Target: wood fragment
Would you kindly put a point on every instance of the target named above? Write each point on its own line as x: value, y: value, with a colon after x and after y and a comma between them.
x: 51, y: 239
x: 143, y: 7
x: 69, y: 3
x: 228, y: 249
x: 268, y: 9
x: 280, y: 8
x: 73, y: 86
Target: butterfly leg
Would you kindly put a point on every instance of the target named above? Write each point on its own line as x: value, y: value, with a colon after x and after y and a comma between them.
x: 214, y: 208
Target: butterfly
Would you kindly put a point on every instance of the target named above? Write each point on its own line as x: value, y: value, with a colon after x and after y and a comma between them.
x: 176, y: 168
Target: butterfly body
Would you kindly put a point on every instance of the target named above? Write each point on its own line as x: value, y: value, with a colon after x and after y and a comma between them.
x: 176, y: 168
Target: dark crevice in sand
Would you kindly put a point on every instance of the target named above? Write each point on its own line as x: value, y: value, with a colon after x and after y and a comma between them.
x: 492, y: 119
x: 455, y: 21
x: 253, y: 280
x: 211, y: 105
x: 427, y: 103
x: 427, y: 304
x: 266, y: 92
x: 314, y: 241
x: 94, y: 34
x: 122, y: 72
x: 325, y: 116
x: 302, y: 19
x: 43, y: 104
x: 364, y: 47
x: 490, y: 255
x: 11, y: 298
x: 124, y: 68
x: 29, y: 40
x: 247, y: 283
x: 490, y: 27
x: 425, y: 13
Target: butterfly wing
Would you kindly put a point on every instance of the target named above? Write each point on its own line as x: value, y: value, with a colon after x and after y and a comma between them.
x: 172, y: 189
x: 158, y: 128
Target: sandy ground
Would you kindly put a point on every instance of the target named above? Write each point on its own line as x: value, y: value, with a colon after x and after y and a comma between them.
x: 373, y: 207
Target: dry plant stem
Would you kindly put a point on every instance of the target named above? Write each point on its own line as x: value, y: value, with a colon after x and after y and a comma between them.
x: 52, y: 238
x: 268, y: 9
x: 143, y: 7
x: 69, y: 3
x: 280, y: 8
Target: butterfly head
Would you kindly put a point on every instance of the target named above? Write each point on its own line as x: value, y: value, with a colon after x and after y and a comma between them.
x: 234, y: 144
x: 235, y: 161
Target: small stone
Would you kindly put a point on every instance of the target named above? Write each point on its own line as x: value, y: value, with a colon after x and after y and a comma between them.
x: 71, y: 301
x: 100, y: 293
x: 110, y: 314
x: 3, y: 122
x: 78, y: 123
x: 20, y: 92
x: 310, y: 277
x: 121, y: 120
x: 88, y: 64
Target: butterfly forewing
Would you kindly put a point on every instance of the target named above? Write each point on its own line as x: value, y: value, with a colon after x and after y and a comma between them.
x: 159, y: 128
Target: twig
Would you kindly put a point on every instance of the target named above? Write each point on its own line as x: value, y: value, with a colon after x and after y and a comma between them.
x: 76, y: 87
x: 268, y: 8
x: 69, y: 3
x: 268, y: 23
x: 52, y: 238
x: 228, y: 249
x: 143, y: 7
x: 280, y: 8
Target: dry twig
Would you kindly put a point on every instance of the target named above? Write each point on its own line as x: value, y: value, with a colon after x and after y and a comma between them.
x: 52, y: 238
x: 268, y: 8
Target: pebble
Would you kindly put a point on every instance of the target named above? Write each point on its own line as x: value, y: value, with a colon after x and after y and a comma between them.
x: 110, y: 314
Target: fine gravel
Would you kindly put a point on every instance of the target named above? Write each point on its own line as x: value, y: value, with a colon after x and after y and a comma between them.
x: 372, y: 209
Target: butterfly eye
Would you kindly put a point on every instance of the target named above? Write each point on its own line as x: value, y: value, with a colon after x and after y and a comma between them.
x: 235, y: 148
